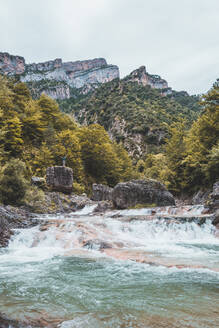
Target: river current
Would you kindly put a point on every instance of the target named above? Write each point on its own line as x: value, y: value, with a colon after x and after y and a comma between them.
x: 124, y: 269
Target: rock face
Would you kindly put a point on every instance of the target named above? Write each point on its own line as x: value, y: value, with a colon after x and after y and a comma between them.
x: 214, y: 197
x: 60, y: 178
x: 141, y: 192
x: 13, y: 218
x: 5, y: 232
x: 57, y: 78
x: 213, y: 203
x: 101, y: 192
x: 200, y: 197
x: 141, y: 76
x: 11, y: 65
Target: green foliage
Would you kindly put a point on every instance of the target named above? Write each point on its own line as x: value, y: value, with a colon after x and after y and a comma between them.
x: 13, y: 182
x: 191, y: 156
x: 202, y: 143
x: 78, y: 188
x: 138, y: 109
x: 34, y: 197
x: 103, y: 160
x: 35, y: 134
x: 156, y: 167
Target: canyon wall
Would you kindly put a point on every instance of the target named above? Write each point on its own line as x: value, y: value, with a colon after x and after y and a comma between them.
x: 84, y: 75
x: 57, y: 79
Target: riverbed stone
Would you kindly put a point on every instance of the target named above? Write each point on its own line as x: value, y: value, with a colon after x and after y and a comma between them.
x: 101, y: 192
x: 60, y: 178
x: 146, y: 192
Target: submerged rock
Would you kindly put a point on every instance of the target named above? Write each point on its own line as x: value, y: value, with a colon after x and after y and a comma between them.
x: 141, y: 192
x: 60, y: 178
x: 97, y: 244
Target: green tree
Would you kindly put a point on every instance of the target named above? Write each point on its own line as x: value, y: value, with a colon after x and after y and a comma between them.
x: 13, y: 182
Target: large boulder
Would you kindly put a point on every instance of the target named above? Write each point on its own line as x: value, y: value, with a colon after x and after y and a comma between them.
x: 141, y: 192
x: 101, y: 192
x: 60, y: 178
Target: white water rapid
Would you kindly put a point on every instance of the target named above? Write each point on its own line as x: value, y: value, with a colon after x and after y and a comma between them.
x: 154, y: 267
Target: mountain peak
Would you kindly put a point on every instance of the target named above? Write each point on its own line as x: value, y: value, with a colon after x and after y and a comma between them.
x: 141, y: 76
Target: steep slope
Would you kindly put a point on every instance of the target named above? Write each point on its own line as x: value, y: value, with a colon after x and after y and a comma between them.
x: 57, y: 79
x: 134, y: 112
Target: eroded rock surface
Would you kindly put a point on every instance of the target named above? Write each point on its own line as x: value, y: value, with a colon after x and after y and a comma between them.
x: 101, y: 192
x: 141, y: 76
x: 56, y: 78
x: 141, y: 192
x: 214, y: 197
x: 60, y: 178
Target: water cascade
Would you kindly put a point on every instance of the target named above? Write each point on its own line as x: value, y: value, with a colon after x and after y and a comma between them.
x: 156, y: 267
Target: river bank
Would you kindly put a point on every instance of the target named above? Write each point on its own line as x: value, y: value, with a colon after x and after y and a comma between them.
x: 82, y: 263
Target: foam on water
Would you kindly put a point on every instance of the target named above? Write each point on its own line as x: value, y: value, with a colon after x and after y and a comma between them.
x: 63, y: 268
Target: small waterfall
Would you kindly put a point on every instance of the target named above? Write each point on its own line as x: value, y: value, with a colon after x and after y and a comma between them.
x: 83, y: 233
x: 142, y: 268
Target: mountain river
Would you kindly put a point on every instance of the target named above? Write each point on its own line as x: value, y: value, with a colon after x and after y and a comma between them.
x: 122, y: 269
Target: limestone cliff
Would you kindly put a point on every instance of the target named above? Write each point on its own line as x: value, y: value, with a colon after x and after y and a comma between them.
x: 141, y: 76
x: 10, y: 65
x: 57, y: 78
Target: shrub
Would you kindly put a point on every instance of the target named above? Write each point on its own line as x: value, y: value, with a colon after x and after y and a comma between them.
x: 78, y: 188
x: 13, y: 182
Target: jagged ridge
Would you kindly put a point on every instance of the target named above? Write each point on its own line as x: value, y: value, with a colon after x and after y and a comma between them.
x: 60, y: 77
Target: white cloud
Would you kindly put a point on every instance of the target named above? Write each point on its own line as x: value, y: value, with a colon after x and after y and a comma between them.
x: 176, y: 39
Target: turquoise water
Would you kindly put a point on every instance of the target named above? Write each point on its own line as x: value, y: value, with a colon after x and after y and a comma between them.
x: 92, y: 289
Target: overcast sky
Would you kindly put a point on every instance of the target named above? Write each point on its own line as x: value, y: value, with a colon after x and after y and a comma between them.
x: 177, y: 39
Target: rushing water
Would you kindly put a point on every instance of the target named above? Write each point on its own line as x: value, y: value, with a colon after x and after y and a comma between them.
x: 124, y: 269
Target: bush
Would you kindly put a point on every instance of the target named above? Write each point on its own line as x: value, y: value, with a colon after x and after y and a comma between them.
x: 34, y: 197
x: 13, y: 182
x: 78, y: 188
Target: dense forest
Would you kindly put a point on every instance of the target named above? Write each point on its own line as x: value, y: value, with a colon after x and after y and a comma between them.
x: 35, y: 134
x: 134, y: 114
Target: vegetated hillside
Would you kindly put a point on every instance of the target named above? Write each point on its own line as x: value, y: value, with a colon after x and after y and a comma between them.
x: 190, y: 157
x: 35, y: 134
x: 134, y: 114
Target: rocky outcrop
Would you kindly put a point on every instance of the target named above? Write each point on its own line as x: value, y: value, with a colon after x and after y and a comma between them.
x: 59, y: 178
x: 5, y: 232
x: 11, y: 65
x: 141, y: 76
x: 141, y: 192
x: 13, y: 218
x: 214, y: 197
x: 213, y: 203
x: 101, y: 192
x: 85, y: 74
x: 200, y: 197
x: 57, y: 202
x: 67, y: 73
